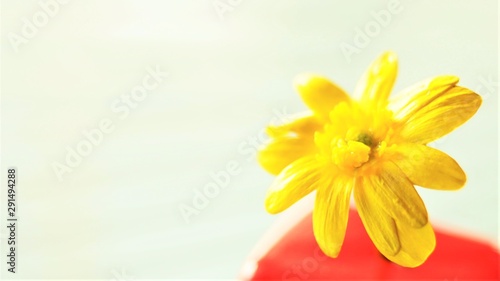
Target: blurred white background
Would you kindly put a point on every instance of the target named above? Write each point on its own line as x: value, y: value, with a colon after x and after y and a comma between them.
x: 66, y: 65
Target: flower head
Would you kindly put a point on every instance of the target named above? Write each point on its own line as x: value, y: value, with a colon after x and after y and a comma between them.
x: 374, y: 147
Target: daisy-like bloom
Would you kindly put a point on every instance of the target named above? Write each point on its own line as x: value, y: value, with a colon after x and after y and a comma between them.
x: 374, y: 147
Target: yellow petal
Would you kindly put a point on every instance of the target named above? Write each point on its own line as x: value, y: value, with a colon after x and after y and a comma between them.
x: 437, y: 113
x: 404, y: 241
x: 427, y: 167
x: 380, y: 227
x: 417, y: 96
x: 416, y: 245
x: 376, y: 84
x: 397, y: 195
x: 289, y: 142
x: 300, y: 126
x: 397, y: 240
x: 331, y: 211
x: 294, y: 182
x: 282, y: 151
x: 319, y: 94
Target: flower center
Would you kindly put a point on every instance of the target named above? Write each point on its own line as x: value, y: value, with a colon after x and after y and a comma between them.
x: 354, y: 136
x: 365, y: 139
x: 351, y: 153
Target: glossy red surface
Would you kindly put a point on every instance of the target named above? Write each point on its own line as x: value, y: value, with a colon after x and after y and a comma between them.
x: 296, y: 256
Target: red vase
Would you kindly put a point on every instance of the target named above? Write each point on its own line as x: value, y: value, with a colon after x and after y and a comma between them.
x: 295, y: 255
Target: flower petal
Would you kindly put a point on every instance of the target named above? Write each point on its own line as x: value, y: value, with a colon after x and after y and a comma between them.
x: 319, y: 94
x: 428, y: 167
x: 380, y: 227
x: 435, y: 113
x: 301, y: 126
x: 397, y: 239
x: 288, y: 143
x: 331, y: 211
x: 416, y: 245
x: 282, y: 151
x: 417, y: 96
x: 376, y: 84
x: 296, y: 181
x: 397, y: 194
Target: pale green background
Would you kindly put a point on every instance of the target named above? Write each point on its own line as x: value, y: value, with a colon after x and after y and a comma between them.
x: 117, y: 214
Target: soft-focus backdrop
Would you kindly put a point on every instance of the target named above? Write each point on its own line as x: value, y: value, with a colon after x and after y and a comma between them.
x: 133, y: 124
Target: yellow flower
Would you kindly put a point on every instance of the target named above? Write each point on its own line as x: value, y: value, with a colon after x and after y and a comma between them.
x: 375, y: 147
